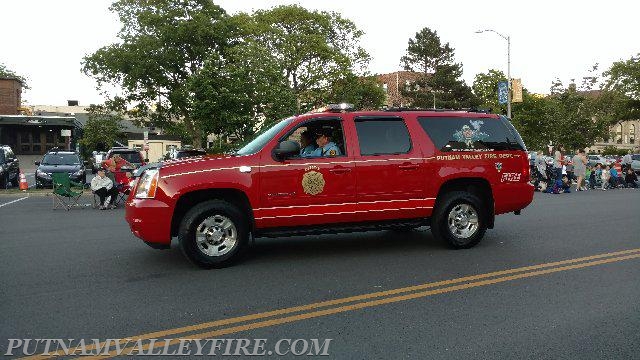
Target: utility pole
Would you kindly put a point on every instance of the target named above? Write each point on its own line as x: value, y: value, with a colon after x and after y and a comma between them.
x: 508, y: 38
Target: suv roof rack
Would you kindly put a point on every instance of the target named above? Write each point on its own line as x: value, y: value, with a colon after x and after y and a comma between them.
x: 397, y: 109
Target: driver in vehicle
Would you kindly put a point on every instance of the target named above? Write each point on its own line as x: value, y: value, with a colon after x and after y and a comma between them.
x: 326, y: 147
x: 307, y: 147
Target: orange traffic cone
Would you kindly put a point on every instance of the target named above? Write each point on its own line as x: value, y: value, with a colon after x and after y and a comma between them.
x: 23, y: 182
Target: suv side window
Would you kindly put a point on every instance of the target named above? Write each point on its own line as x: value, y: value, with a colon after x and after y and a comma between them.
x: 382, y: 136
x: 470, y: 134
x: 331, y: 126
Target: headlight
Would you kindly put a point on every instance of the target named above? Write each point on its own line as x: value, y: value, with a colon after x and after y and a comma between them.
x: 78, y: 173
x: 42, y: 173
x: 147, y: 184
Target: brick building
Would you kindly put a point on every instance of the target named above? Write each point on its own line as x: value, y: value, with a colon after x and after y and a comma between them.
x: 393, y: 83
x: 10, y: 96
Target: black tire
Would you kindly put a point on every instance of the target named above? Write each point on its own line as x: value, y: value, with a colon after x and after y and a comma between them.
x: 194, y: 218
x: 16, y: 182
x: 440, y: 219
x: 4, y: 180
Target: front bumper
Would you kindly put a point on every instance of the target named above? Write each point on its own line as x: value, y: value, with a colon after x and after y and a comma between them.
x: 45, y: 180
x: 149, y: 220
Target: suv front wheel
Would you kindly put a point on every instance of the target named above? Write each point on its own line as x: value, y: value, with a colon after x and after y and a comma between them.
x: 213, y: 234
x: 459, y: 219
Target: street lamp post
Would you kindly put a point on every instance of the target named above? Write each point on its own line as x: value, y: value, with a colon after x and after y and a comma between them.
x: 508, y: 38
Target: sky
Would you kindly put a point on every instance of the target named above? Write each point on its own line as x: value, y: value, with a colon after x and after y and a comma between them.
x: 46, y: 40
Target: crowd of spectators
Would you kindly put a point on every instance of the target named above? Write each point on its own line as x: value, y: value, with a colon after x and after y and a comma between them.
x: 564, y: 173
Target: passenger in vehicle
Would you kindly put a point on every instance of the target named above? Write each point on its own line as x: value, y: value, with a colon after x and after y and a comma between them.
x: 307, y: 146
x: 326, y: 147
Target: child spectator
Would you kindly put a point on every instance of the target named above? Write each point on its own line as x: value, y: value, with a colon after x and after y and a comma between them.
x: 614, y: 180
x: 605, y: 175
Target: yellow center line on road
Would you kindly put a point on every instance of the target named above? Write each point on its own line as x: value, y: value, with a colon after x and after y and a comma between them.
x: 470, y: 282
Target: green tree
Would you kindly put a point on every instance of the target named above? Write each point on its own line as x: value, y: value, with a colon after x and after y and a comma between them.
x: 102, y: 130
x: 440, y: 78
x: 243, y: 90
x: 162, y: 45
x: 8, y: 73
x: 534, y: 121
x: 485, y: 87
x: 314, y: 48
x: 623, y: 78
x: 362, y: 92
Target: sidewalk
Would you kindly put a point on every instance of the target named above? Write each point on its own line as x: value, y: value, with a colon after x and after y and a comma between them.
x: 26, y: 163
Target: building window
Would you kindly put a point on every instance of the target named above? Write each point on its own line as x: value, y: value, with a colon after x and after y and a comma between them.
x: 384, y: 87
x: 618, y: 138
x: 632, y: 129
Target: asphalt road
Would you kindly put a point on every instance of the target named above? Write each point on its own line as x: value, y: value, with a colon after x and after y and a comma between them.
x: 82, y: 275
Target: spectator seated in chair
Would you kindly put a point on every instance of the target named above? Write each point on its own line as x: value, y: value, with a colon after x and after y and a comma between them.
x: 615, y: 180
x: 630, y: 179
x: 103, y: 186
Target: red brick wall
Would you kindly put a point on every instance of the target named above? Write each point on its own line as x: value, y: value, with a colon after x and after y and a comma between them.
x: 10, y: 92
x: 395, y: 82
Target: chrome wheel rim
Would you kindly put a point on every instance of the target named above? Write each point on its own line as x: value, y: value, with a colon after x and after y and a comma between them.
x: 216, y: 235
x: 463, y: 221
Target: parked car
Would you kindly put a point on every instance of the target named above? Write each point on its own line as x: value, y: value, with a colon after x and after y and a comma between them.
x: 635, y: 163
x: 133, y: 156
x: 532, y: 157
x: 393, y: 169
x: 610, y: 159
x: 58, y: 161
x: 593, y: 160
x: 9, y: 168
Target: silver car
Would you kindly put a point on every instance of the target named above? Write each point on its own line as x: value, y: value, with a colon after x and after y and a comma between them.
x: 593, y: 160
x: 635, y: 163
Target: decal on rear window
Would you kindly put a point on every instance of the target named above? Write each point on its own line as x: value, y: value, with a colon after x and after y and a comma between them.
x: 470, y: 136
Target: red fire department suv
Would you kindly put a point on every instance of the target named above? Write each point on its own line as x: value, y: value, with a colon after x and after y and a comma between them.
x: 336, y: 171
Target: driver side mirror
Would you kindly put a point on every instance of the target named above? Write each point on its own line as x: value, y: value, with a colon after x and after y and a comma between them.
x: 286, y: 149
x: 36, y: 163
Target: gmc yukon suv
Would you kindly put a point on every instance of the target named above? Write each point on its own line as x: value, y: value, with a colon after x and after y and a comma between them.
x: 335, y: 170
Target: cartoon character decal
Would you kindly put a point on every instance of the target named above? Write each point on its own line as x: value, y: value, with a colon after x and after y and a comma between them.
x: 470, y: 135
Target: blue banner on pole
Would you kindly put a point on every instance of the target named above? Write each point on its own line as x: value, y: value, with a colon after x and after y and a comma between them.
x: 503, y: 89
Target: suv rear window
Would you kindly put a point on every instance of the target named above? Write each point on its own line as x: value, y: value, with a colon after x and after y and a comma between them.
x: 471, y: 134
x: 382, y: 136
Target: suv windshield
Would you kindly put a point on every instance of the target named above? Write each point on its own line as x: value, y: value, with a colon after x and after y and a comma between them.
x: 61, y: 159
x: 635, y: 157
x: 132, y: 157
x: 262, y: 139
x: 190, y: 153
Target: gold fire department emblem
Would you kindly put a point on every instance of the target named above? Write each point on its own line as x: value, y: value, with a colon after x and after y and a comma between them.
x: 313, y: 183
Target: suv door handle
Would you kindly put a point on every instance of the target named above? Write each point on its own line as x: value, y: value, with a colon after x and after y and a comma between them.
x: 340, y: 170
x: 408, y: 167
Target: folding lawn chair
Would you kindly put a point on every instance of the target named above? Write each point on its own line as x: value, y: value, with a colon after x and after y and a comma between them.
x: 64, y: 194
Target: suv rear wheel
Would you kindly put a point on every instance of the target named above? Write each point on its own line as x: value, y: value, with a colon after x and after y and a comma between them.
x: 459, y: 219
x: 213, y: 234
